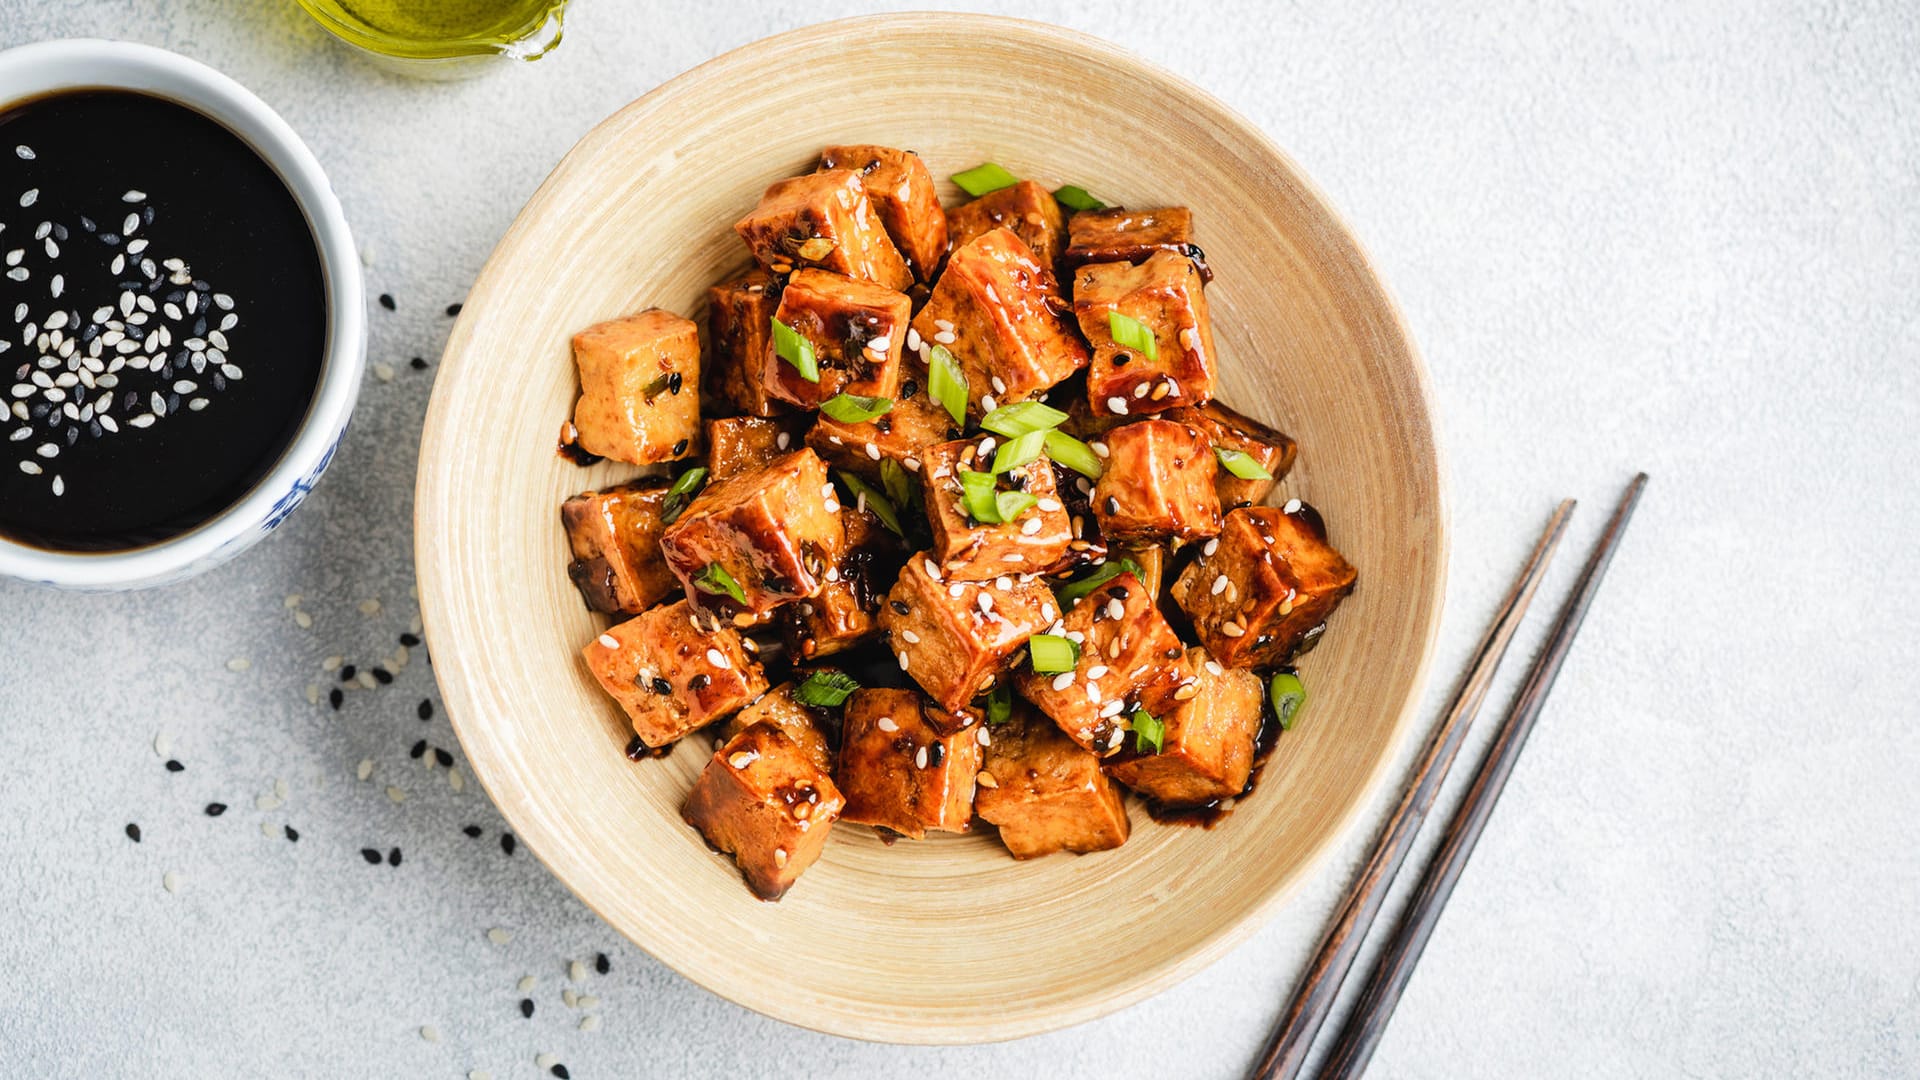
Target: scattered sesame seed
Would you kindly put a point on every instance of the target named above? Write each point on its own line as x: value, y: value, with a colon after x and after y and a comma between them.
x: 1063, y: 680
x: 430, y: 1033
x: 133, y: 832
x: 372, y: 856
x: 370, y: 607
x: 608, y: 641
x: 215, y: 809
x: 175, y: 766
x: 591, y: 1022
x: 718, y: 659
x: 386, y: 301
x: 170, y: 881
x: 292, y: 834
x: 1292, y: 507
x: 601, y: 964
x: 1219, y: 584
x: 904, y: 661
x: 499, y: 936
x: 1117, y: 406
x: 508, y: 843
x: 920, y: 758
x: 239, y: 663
x: 1210, y: 546
x: 887, y: 724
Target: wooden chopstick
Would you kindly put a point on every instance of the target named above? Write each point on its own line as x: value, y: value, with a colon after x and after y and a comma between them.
x: 1368, y: 1022
x: 1312, y: 999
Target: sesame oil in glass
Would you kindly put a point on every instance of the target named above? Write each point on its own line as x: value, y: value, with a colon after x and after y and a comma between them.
x: 443, y: 38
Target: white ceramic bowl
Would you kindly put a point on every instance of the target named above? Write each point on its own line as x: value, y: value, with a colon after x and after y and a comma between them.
x: 32, y: 70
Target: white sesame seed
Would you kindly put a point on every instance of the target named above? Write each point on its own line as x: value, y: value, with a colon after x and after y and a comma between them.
x: 873, y: 452
x: 608, y: 641
x: 1292, y: 507
x: 1113, y: 740
x: 1096, y: 671
x: 239, y: 663
x: 910, y: 637
x: 134, y: 196
x: 904, y: 660
x: 920, y: 758
x: 1219, y: 584
x: 1214, y: 668
x: 591, y: 1021
x: 170, y: 881
x: 944, y: 337
x: 1140, y: 390
x: 545, y: 1062
x: 880, y: 345
x: 1117, y: 405
x: 1233, y: 629
x: 29, y: 197
x: 886, y: 723
x: 984, y: 600
x: 1210, y: 546
x: 1063, y: 680
x: 396, y: 795
x: 499, y: 936
x: 955, y: 590
x: 782, y: 440
x: 831, y: 506
x: 1115, y: 609
x: 1093, y: 693
x: 24, y: 152
x: 1031, y: 526
x: 718, y: 659
x: 988, y: 403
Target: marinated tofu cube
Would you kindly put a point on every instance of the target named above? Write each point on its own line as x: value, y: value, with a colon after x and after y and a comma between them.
x: 1129, y: 658
x: 768, y: 531
x: 857, y: 330
x: 673, y: 670
x: 615, y: 538
x: 798, y: 722
x: 902, y: 193
x: 639, y: 388
x: 1164, y: 295
x: 1026, y: 208
x: 1046, y: 792
x: 845, y: 612
x: 1231, y: 431
x: 1131, y: 236
x: 1270, y: 580
x: 955, y: 637
x: 823, y: 220
x: 899, y: 771
x: 902, y: 435
x: 1033, y: 542
x: 1208, y: 740
x: 739, y: 336
x: 764, y: 801
x: 742, y: 444
x: 998, y: 310
x: 1158, y: 483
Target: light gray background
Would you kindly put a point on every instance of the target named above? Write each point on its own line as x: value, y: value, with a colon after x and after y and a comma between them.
x: 1672, y: 237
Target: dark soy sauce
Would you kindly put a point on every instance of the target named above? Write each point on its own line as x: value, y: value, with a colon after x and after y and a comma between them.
x: 163, y: 315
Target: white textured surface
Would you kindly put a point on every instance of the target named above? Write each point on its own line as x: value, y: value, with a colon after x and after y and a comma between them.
x: 1625, y: 236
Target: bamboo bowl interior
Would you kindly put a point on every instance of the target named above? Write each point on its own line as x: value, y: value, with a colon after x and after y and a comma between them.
x: 946, y: 940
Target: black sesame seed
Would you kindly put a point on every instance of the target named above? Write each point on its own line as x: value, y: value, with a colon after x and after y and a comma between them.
x: 418, y: 363
x: 900, y: 607
x: 674, y: 382
x: 936, y: 754
x: 215, y: 809
x: 293, y: 834
x: 680, y: 447
x: 335, y: 697
x: 601, y: 964
x: 393, y: 857
x: 425, y: 711
x: 473, y: 831
x: 1113, y: 505
x: 561, y: 1072
x: 383, y: 676
x: 700, y: 681
x: 133, y: 832
x: 526, y: 1008
x: 508, y: 843
x: 419, y: 748
x: 409, y: 640
x: 661, y: 686
x: 372, y: 856
x: 452, y: 310
x: 386, y: 301
x: 175, y: 766
x: 445, y: 759
x: 347, y: 673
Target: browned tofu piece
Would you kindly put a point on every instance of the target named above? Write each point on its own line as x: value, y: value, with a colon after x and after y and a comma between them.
x: 673, y: 671
x: 858, y: 331
x: 615, y: 538
x: 824, y: 220
x: 739, y: 336
x: 1230, y: 430
x: 1209, y: 740
x: 1118, y: 235
x: 898, y: 769
x: 639, y: 381
x: 998, y: 309
x: 763, y: 800
x: 1129, y: 658
x: 1026, y: 208
x: 901, y: 435
x: 1032, y: 543
x: 770, y: 530
x: 955, y: 637
x: 845, y: 612
x: 1158, y: 483
x: 1163, y: 294
x: 902, y: 193
x: 797, y: 721
x: 1046, y: 792
x: 741, y: 444
x: 1272, y: 578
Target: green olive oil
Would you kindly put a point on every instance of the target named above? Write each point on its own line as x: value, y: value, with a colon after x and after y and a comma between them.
x: 429, y: 30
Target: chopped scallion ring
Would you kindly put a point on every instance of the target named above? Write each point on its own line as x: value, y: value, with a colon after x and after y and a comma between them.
x: 825, y: 689
x: 854, y: 409
x: 1289, y: 696
x: 1131, y: 333
x: 716, y: 581
x: 1018, y: 451
x: 1148, y: 731
x: 1074, y: 454
x: 1022, y: 418
x: 947, y: 384
x: 976, y: 493
x: 795, y: 350
x: 984, y: 178
x: 1241, y: 464
x: 1052, y: 654
x: 1075, y: 197
x: 877, y: 501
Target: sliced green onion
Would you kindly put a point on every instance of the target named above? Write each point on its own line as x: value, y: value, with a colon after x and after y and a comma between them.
x: 876, y: 501
x: 1000, y: 704
x: 1132, y: 334
x: 1074, y: 591
x: 715, y: 580
x: 898, y: 484
x: 1241, y: 464
x: 1018, y: 451
x: 1011, y: 504
x: 984, y: 178
x: 1052, y: 654
x: 1075, y: 197
x: 795, y: 350
x: 1022, y: 418
x: 1148, y: 730
x: 825, y: 689
x: 674, y: 503
x: 854, y: 409
x: 1074, y: 454
x: 976, y: 492
x: 947, y: 383
x: 1289, y: 696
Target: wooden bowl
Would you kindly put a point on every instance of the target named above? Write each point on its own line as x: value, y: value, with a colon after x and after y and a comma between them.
x: 948, y: 939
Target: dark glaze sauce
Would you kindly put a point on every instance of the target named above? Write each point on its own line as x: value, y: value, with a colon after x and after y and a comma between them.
x: 1207, y: 815
x: 570, y: 447
x: 196, y: 218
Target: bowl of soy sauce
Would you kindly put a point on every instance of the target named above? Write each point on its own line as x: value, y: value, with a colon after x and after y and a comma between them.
x: 182, y: 324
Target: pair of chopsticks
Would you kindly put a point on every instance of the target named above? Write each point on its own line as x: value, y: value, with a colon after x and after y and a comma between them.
x: 1287, y: 1051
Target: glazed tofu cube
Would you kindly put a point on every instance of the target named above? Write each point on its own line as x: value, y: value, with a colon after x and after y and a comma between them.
x: 763, y: 800
x: 639, y: 382
x: 1228, y: 430
x: 615, y: 538
x: 739, y: 336
x: 901, y: 190
x: 1032, y: 543
x: 1129, y: 658
x: 1208, y: 743
x: 796, y: 721
x: 823, y: 220
x: 673, y: 671
x: 858, y: 331
x: 1158, y: 483
x: 1026, y: 208
x: 1132, y: 236
x: 1045, y: 792
x: 845, y: 612
x: 1164, y: 295
x: 955, y: 637
x: 1272, y: 578
x: 742, y: 444
x: 998, y: 309
x: 898, y: 769
x: 769, y: 530
x: 901, y: 435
